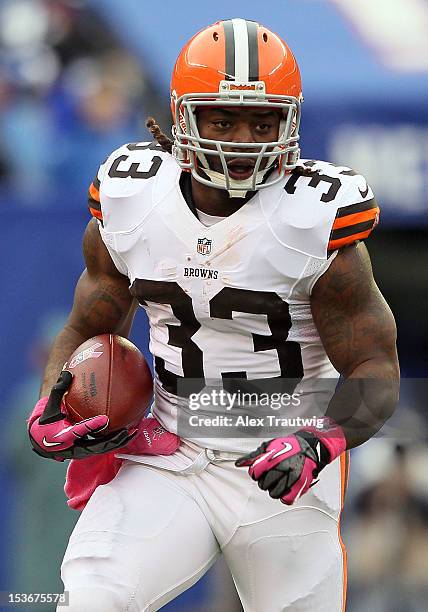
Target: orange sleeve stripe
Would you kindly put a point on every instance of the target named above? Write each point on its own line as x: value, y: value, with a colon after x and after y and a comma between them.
x: 96, y: 213
x: 344, y: 473
x: 94, y: 192
x: 355, y: 218
x: 340, y: 242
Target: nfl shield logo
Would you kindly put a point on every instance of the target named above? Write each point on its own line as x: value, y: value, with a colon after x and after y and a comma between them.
x: 204, y: 246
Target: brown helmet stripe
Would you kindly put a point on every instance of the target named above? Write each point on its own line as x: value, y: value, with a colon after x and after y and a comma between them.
x: 253, y: 51
x: 230, y: 49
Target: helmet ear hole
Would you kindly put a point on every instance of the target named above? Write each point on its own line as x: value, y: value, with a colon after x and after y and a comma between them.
x: 215, y: 36
x: 265, y: 37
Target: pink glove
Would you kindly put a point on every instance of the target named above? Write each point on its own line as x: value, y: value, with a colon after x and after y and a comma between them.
x: 287, y: 467
x: 85, y: 475
x: 53, y: 436
x: 60, y: 435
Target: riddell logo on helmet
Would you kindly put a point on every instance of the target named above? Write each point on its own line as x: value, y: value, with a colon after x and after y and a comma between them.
x: 258, y: 87
x: 233, y: 87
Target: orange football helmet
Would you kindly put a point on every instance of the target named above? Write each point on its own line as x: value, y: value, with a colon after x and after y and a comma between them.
x: 236, y: 63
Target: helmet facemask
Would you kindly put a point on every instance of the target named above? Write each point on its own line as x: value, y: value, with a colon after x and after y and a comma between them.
x: 191, y: 150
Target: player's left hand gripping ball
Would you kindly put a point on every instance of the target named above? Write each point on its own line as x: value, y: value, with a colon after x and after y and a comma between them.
x: 287, y: 467
x: 53, y: 436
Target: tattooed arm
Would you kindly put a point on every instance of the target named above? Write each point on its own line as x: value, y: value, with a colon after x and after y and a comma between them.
x: 358, y: 332
x: 102, y: 304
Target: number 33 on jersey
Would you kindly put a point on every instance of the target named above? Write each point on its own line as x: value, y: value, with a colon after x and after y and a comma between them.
x: 232, y: 299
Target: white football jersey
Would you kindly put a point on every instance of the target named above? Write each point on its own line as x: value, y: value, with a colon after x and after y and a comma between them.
x: 231, y: 300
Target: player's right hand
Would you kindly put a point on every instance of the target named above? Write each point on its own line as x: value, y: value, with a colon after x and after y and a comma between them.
x: 53, y: 436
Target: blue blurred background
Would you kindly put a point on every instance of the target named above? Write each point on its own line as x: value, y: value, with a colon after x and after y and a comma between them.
x: 77, y: 79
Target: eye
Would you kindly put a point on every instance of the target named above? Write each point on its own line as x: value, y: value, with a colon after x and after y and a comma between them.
x: 264, y: 127
x: 222, y: 124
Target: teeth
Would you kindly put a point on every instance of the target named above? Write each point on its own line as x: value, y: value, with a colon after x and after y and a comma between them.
x: 240, y: 165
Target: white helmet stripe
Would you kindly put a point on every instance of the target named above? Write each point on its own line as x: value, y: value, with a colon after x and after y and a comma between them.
x: 242, y: 71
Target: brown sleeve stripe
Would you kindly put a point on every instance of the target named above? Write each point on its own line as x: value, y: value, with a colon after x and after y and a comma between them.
x: 350, y: 230
x: 94, y: 204
x: 94, y: 192
x: 356, y: 208
x: 341, y: 242
x: 357, y: 217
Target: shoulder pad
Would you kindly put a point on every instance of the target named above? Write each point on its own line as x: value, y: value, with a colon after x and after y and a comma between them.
x: 324, y: 207
x: 115, y: 194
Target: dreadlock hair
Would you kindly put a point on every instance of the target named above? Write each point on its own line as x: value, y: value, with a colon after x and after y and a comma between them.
x: 165, y: 142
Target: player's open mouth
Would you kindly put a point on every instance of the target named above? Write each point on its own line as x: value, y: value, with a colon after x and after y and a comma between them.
x: 240, y: 169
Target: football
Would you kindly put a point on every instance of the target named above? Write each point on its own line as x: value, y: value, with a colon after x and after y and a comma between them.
x: 110, y: 376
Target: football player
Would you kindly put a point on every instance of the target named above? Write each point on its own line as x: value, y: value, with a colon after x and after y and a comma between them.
x: 251, y: 265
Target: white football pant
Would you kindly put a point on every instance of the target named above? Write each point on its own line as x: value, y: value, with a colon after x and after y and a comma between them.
x: 154, y: 530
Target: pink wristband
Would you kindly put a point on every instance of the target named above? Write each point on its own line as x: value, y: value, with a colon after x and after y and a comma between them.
x: 332, y: 437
